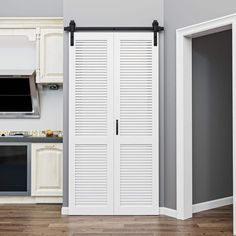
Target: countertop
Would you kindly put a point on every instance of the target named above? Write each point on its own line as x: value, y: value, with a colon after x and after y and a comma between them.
x: 30, y: 139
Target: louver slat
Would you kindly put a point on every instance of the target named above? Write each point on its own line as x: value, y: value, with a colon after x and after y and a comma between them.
x: 135, y: 87
x: 91, y: 175
x: 136, y: 175
x: 91, y: 86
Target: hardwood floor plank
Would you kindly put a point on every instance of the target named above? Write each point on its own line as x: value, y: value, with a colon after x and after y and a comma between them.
x: 46, y: 220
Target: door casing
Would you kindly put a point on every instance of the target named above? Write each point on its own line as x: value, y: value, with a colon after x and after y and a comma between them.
x: 184, y: 38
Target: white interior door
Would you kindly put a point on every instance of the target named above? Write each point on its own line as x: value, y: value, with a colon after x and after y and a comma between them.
x: 91, y: 124
x: 136, y: 111
x: 113, y: 77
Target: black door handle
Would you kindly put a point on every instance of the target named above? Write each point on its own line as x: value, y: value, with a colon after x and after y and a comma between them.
x: 117, y: 127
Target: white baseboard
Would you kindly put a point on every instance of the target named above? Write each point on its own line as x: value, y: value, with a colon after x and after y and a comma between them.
x: 168, y: 212
x: 64, y: 210
x: 29, y: 200
x: 204, y: 206
x: 163, y: 211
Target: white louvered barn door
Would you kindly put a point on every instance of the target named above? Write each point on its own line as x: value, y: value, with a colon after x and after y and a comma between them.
x: 91, y: 124
x: 136, y: 168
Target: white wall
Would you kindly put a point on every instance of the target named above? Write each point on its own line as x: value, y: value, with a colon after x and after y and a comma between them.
x: 51, y: 103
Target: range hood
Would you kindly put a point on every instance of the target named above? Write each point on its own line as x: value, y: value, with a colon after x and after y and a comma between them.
x: 19, y: 97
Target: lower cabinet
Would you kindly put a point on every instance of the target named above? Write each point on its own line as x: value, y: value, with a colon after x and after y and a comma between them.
x: 46, y: 170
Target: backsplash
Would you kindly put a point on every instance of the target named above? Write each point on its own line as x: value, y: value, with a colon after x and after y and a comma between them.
x: 34, y: 133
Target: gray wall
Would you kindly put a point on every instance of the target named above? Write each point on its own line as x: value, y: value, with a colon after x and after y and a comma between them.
x: 27, y: 8
x: 178, y: 14
x: 112, y: 13
x: 212, y: 117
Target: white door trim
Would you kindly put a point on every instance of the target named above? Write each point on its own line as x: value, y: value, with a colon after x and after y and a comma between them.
x: 184, y: 108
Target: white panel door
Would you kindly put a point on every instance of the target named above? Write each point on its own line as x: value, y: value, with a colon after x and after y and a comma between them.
x: 136, y: 168
x: 91, y: 124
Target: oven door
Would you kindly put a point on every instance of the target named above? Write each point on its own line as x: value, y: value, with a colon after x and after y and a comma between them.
x: 15, y: 176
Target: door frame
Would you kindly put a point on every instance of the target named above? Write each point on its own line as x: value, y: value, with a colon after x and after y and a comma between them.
x: 184, y: 38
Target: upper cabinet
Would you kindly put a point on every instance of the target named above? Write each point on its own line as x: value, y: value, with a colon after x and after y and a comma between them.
x: 51, y: 56
x: 38, y: 45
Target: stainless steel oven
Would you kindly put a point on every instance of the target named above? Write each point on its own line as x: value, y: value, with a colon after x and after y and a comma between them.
x: 15, y: 169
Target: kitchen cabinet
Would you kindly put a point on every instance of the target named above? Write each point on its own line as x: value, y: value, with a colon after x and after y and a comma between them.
x: 29, y: 33
x: 51, y: 56
x: 46, y: 169
x: 37, y: 45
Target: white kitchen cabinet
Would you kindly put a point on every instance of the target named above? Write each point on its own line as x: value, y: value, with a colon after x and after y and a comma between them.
x: 51, y: 56
x: 29, y: 33
x: 38, y: 42
x: 46, y: 169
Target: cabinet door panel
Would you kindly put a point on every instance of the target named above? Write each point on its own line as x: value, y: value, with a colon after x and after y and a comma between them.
x: 46, y: 170
x: 51, y: 56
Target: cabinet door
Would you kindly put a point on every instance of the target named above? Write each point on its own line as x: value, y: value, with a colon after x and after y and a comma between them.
x: 51, y: 56
x: 91, y: 124
x: 136, y: 109
x: 46, y: 170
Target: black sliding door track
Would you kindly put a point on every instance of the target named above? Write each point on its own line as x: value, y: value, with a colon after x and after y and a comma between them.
x: 72, y: 28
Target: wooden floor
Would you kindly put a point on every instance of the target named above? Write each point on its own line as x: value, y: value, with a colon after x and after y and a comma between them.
x: 37, y: 220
